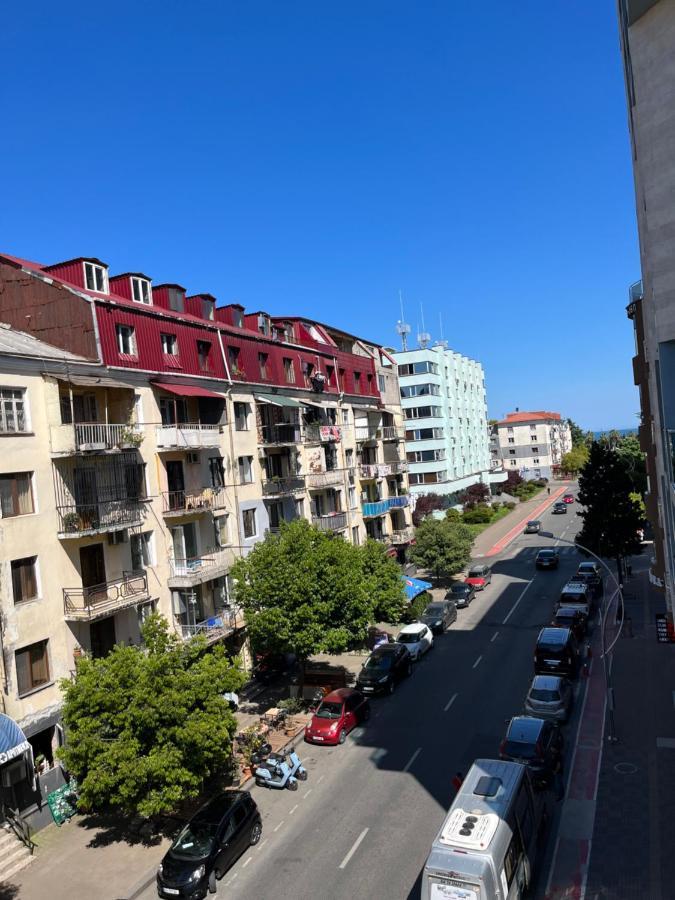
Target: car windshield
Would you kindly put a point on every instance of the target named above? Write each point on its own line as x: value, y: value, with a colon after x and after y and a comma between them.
x: 520, y: 749
x: 410, y: 638
x: 459, y: 589
x: 433, y: 611
x: 544, y: 696
x: 546, y: 554
x: 535, y: 524
x: 475, y: 573
x: 377, y: 662
x: 196, y: 840
x: 329, y: 711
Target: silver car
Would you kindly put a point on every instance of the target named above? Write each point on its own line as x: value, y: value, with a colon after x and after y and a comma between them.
x: 549, y: 697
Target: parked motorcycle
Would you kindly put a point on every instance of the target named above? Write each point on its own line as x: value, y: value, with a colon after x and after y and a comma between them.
x: 281, y: 771
x: 261, y: 754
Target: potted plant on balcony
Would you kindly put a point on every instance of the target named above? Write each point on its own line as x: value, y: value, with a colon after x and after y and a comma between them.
x: 71, y: 522
x: 130, y: 439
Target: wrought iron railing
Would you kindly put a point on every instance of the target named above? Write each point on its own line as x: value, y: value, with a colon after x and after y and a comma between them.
x: 111, y: 515
x: 221, y: 624
x: 318, y: 480
x: 316, y: 433
x: 196, y: 565
x: 280, y: 433
x: 392, y: 433
x: 366, y: 433
x: 288, y: 485
x: 90, y: 602
x: 331, y: 521
x: 193, y: 501
x: 20, y: 827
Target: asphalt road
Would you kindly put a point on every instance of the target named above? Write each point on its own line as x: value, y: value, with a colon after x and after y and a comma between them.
x: 363, y: 822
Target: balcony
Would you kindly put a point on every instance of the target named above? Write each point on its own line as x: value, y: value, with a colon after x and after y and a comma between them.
x: 380, y: 507
x: 368, y: 471
x: 94, y: 518
x: 281, y: 433
x: 91, y: 603
x: 364, y: 433
x: 321, y: 434
x: 84, y: 437
x: 217, y: 627
x: 335, y: 521
x: 187, y: 435
x: 320, y: 480
x: 186, y: 573
x: 276, y: 487
x: 399, y: 467
x: 401, y: 536
x: 398, y: 502
x: 180, y: 503
x: 392, y: 433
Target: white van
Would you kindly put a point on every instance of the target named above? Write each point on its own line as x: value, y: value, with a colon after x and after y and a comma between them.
x: 577, y: 595
x: 487, y: 844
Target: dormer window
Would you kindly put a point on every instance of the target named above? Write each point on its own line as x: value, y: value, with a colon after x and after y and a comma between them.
x: 207, y: 309
x: 176, y: 300
x: 95, y: 278
x: 140, y: 290
x: 263, y: 325
x: 237, y: 318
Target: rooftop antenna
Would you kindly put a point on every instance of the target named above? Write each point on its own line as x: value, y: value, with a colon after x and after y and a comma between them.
x: 442, y: 343
x: 423, y: 336
x: 401, y: 326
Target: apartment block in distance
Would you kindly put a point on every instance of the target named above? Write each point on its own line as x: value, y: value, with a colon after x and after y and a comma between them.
x: 149, y: 438
x: 531, y: 443
x: 445, y: 411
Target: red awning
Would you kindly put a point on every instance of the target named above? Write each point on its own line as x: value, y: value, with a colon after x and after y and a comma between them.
x: 185, y: 390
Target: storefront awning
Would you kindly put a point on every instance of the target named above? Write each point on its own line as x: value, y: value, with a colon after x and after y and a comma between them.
x: 95, y: 381
x: 414, y: 586
x: 13, y: 741
x: 185, y: 390
x: 277, y: 400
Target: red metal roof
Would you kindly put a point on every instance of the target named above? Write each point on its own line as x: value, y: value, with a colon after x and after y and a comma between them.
x: 538, y: 416
x: 185, y: 390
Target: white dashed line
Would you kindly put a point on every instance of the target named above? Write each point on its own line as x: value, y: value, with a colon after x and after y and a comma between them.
x: 306, y: 795
x: 449, y: 703
x: 279, y: 825
x: 320, y: 779
x: 477, y: 663
x: 411, y: 760
x: 293, y: 810
x: 247, y: 862
x: 355, y: 847
x: 494, y: 637
x: 261, y: 845
x: 513, y: 608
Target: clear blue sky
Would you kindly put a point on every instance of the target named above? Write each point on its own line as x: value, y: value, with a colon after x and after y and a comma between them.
x: 313, y: 158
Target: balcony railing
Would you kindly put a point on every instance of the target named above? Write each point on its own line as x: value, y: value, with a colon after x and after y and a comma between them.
x: 369, y: 470
x: 281, y: 433
x: 382, y: 470
x: 88, y: 603
x: 398, y: 502
x: 274, y: 487
x: 331, y: 521
x: 318, y: 480
x: 194, y: 570
x: 380, y: 507
x: 322, y: 433
x: 398, y: 468
x: 401, y: 536
x: 90, y: 518
x: 187, y: 435
x: 91, y: 436
x: 222, y: 624
x: 181, y: 502
x: 392, y: 433
x: 367, y: 433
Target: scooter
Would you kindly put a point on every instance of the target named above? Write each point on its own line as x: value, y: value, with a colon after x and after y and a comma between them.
x: 260, y: 756
x: 281, y: 771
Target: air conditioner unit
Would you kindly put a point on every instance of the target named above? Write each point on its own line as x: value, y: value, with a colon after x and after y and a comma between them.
x: 118, y: 537
x: 192, y: 458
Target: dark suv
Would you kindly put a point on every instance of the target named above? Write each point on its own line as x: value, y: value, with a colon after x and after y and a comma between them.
x: 384, y: 668
x: 536, y: 743
x: 208, y: 845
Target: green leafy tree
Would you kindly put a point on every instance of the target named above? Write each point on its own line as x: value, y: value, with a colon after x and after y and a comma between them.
x: 578, y: 436
x: 442, y: 546
x: 611, y: 516
x: 147, y: 726
x: 575, y: 459
x: 383, y: 581
x: 633, y: 458
x: 425, y: 505
x: 303, y: 591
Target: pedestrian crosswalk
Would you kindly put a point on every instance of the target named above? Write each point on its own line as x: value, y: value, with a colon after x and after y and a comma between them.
x: 563, y: 550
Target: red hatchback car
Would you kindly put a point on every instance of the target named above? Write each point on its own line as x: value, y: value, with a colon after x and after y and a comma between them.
x: 339, y: 712
x: 568, y: 498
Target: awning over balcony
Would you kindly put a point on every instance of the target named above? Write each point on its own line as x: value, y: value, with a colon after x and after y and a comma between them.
x: 13, y: 741
x: 415, y: 586
x: 185, y: 390
x: 94, y: 381
x: 278, y: 400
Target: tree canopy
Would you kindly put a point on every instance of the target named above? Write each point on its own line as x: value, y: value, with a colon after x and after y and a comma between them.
x: 147, y: 725
x: 442, y: 545
x: 475, y: 493
x: 628, y: 450
x: 425, y: 505
x: 578, y: 435
x: 305, y: 591
x: 611, y: 517
x: 575, y: 459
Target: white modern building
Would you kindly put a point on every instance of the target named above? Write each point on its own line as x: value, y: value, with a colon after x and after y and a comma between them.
x: 531, y: 443
x: 445, y: 413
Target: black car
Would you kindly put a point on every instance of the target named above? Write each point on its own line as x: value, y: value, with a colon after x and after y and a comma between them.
x: 547, y: 559
x: 536, y: 743
x: 533, y: 527
x: 560, y: 507
x: 568, y: 617
x: 461, y: 594
x: 208, y: 845
x: 557, y: 653
x: 440, y: 615
x: 384, y: 668
x: 592, y: 573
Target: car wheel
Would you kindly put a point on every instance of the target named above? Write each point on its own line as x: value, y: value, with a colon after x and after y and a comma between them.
x: 212, y: 883
x: 343, y: 737
x: 391, y: 687
x: 256, y: 833
x: 218, y: 873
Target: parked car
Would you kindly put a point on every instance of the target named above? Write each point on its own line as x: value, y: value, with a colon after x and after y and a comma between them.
x: 578, y: 595
x: 533, y: 527
x: 547, y: 559
x: 556, y: 653
x: 479, y: 576
x: 440, y: 615
x: 574, y: 619
x: 536, y: 743
x: 417, y: 638
x: 461, y: 595
x: 568, y: 498
x: 336, y: 715
x: 384, y: 668
x: 559, y: 507
x: 549, y: 697
x: 592, y: 572
x: 213, y: 839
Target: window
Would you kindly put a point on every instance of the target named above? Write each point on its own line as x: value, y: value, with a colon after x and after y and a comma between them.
x: 356, y: 537
x: 237, y: 318
x: 142, y: 551
x: 512, y: 858
x: 16, y: 495
x: 245, y: 469
x: 289, y: 370
x: 95, y: 278
x: 381, y: 384
x: 536, y: 462
x: 32, y: 667
x: 422, y: 412
x: 513, y: 462
x: 249, y: 523
x: 204, y: 355
x: 512, y: 452
x: 176, y: 299
x: 369, y: 381
x: 241, y: 416
x: 169, y: 345
x: 357, y: 382
x: 207, y: 309
x: 349, y: 458
x: 512, y: 440
x: 262, y: 364
x: 24, y: 579
x: 221, y: 525
x: 535, y: 449
x: 352, y: 497
x: 126, y: 340
x: 216, y: 471
x: 510, y: 429
x: 233, y: 354
x: 140, y: 290
x: 330, y: 374
x: 533, y: 437
x: 13, y: 416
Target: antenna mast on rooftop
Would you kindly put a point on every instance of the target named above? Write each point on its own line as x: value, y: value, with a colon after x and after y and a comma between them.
x: 423, y: 336
x: 401, y: 326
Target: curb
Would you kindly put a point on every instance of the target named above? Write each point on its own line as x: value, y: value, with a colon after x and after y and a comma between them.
x: 511, y: 535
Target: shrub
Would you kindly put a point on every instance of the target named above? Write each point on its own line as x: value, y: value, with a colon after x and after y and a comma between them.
x: 417, y: 606
x: 479, y: 515
x: 509, y: 504
x: 453, y: 514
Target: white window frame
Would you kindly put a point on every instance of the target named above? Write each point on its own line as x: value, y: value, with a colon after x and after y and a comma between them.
x: 219, y: 536
x: 120, y: 328
x: 95, y: 271
x: 245, y: 467
x: 147, y: 544
x: 141, y: 286
x: 23, y: 400
x: 174, y: 344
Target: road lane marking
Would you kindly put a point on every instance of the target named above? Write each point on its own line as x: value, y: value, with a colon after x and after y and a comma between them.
x: 477, y: 662
x: 279, y: 825
x: 261, y: 845
x: 354, y: 848
x: 247, y: 862
x: 494, y: 637
x: 449, y: 703
x: 293, y: 810
x: 305, y: 796
x: 320, y: 779
x: 412, y: 759
x: 513, y: 608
